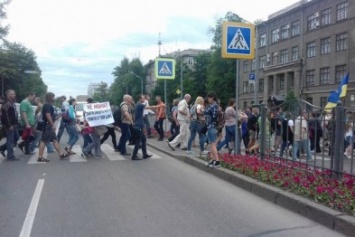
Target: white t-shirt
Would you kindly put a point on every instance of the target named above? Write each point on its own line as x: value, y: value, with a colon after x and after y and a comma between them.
x: 300, y: 129
x: 183, y: 107
x: 147, y: 111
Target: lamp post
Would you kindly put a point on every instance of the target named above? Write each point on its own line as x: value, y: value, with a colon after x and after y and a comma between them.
x: 141, y: 80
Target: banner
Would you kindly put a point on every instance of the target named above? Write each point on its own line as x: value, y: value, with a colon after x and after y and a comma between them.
x: 98, y: 114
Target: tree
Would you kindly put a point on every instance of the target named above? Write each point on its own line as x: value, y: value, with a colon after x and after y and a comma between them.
x: 15, y: 63
x: 102, y: 94
x: 3, y: 29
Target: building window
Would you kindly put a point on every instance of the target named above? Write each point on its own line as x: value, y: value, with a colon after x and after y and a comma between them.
x: 342, y: 11
x: 245, y: 66
x: 311, y: 49
x: 325, y: 46
x: 312, y: 21
x: 252, y: 87
x: 262, y: 62
x: 323, y: 102
x: 275, y: 35
x: 275, y: 57
x: 310, y: 76
x: 284, y: 56
x: 190, y: 61
x: 284, y: 31
x: 263, y: 40
x: 253, y: 65
x: 325, y: 17
x: 245, y: 105
x: 245, y: 87
x: 282, y: 82
x: 261, y: 85
x: 342, y: 42
x: 295, y: 28
x: 324, y: 75
x: 340, y: 72
x: 294, y: 53
x: 309, y: 100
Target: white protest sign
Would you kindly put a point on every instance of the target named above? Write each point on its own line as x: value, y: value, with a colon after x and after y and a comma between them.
x: 98, y: 114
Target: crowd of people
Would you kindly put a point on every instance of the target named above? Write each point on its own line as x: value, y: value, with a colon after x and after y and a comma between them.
x: 205, y: 118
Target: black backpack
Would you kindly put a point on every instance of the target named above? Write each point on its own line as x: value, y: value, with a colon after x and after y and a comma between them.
x: 117, y: 117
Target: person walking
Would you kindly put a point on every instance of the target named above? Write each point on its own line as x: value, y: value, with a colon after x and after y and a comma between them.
x: 160, y: 116
x: 197, y: 124
x: 28, y: 122
x: 146, y: 114
x: 73, y: 134
x: 211, y: 113
x: 175, y: 126
x: 110, y: 132
x: 139, y: 125
x: 127, y: 121
x: 49, y: 128
x: 183, y: 118
x: 9, y: 120
x: 64, y: 107
x: 301, y: 139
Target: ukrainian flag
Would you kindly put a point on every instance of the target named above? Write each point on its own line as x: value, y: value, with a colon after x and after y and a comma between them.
x: 333, y: 99
x: 334, y: 96
x: 343, y: 87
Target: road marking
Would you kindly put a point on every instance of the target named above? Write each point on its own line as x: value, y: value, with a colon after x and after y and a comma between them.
x: 31, y: 213
x: 110, y: 153
x: 2, y: 159
x: 154, y: 156
x: 34, y: 157
x: 77, y: 157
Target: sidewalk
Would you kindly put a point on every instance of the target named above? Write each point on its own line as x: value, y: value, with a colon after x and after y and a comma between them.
x: 321, y: 214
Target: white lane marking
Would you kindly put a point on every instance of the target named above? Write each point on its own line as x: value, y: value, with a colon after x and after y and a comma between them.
x: 110, y: 153
x: 2, y: 159
x: 77, y: 157
x: 31, y: 213
x: 154, y: 156
x: 34, y: 157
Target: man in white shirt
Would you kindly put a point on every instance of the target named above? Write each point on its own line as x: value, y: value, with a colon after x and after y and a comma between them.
x: 300, y: 136
x: 146, y: 113
x: 64, y: 107
x: 183, y: 118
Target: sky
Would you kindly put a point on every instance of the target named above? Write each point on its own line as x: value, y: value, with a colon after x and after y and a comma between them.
x: 78, y: 42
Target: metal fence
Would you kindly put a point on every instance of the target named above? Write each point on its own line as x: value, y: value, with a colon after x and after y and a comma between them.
x: 325, y: 134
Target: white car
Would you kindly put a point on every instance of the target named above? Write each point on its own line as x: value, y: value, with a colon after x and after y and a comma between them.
x: 79, y: 109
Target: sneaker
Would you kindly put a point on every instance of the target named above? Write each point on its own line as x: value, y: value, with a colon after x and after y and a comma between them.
x: 171, y: 147
x: 188, y: 152
x: 147, y: 156
x: 214, y: 164
x: 204, y: 153
x: 136, y: 158
x: 184, y: 149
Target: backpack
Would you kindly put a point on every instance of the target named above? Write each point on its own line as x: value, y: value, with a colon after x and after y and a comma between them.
x: 252, y: 123
x: 221, y: 119
x: 117, y: 117
x: 65, y: 116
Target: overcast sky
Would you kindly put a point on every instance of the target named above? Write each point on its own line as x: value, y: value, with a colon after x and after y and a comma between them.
x: 78, y: 42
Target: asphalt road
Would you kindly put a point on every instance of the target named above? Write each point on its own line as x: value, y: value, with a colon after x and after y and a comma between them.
x: 159, y: 197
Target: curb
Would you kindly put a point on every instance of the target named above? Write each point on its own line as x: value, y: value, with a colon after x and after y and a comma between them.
x: 316, y: 212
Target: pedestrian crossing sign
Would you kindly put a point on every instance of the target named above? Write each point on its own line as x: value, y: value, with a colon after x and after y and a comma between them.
x: 164, y: 68
x: 238, y: 40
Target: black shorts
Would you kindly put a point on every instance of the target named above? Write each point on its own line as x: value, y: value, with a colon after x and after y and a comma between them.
x: 48, y: 134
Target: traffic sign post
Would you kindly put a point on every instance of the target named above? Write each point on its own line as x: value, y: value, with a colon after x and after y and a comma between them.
x: 238, y: 41
x: 164, y: 69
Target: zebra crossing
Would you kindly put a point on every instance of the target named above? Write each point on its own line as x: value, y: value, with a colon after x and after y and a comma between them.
x: 107, y: 153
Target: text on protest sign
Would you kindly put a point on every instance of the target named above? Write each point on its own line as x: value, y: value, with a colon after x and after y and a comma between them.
x: 98, y: 114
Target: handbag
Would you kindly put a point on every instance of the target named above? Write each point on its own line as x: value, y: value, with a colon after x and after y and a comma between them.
x: 77, y: 128
x: 203, y: 129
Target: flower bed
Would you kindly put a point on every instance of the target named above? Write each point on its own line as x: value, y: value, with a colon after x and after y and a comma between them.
x: 315, y: 184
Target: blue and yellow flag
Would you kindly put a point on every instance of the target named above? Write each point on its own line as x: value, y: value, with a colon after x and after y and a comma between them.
x: 332, y: 100
x: 343, y: 87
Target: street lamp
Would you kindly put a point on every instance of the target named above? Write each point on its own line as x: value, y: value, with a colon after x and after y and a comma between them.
x: 141, y: 80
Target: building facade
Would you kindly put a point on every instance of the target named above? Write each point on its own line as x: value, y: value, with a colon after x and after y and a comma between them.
x: 306, y: 49
x: 95, y: 87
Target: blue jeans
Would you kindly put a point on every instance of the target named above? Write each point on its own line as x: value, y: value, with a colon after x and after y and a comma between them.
x: 61, y: 129
x: 230, y: 135
x: 87, y: 140
x: 147, y: 124
x: 73, y: 135
x: 159, y: 127
x: 96, y: 144
x: 12, y: 137
x: 305, y: 145
x: 212, y: 134
x: 195, y: 127
x: 125, y: 135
